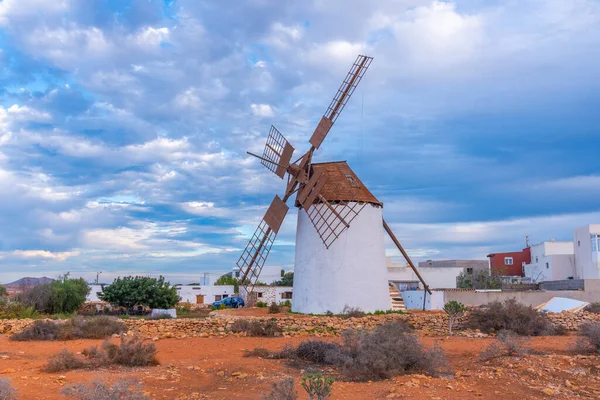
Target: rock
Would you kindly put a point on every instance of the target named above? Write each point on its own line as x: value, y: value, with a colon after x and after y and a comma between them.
x: 548, y: 391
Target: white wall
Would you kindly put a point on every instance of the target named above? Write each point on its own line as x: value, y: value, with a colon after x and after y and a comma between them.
x: 351, y: 272
x: 435, y: 277
x: 188, y: 293
x: 413, y: 300
x: 551, y: 261
x: 587, y: 260
x: 92, y: 295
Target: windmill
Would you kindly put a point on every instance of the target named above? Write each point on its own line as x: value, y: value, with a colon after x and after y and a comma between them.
x: 336, y: 263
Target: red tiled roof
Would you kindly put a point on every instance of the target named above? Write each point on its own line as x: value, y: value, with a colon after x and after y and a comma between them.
x: 343, y: 184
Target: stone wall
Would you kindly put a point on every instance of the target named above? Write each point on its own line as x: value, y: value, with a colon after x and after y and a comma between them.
x: 426, y: 323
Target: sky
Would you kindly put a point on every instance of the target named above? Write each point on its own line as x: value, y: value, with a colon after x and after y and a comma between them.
x: 124, y: 125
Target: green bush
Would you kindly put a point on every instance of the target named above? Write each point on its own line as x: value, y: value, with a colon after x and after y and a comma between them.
x: 3, y: 291
x: 261, y: 304
x: 18, y: 311
x: 132, y: 291
x: 274, y: 308
x: 286, y: 303
x: 61, y: 296
x: 454, y: 309
x: 317, y: 386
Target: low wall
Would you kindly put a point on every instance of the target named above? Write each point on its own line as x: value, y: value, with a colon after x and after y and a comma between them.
x: 430, y: 323
x: 566, y: 284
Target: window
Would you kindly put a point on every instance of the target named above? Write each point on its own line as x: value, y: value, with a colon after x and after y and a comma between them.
x: 259, y: 295
x: 508, y: 260
x: 225, y: 296
x: 351, y: 180
x: 286, y: 295
x: 578, y: 243
x: 536, y: 259
x: 547, y: 265
x: 218, y: 297
x: 237, y: 274
x: 195, y: 288
x: 470, y: 271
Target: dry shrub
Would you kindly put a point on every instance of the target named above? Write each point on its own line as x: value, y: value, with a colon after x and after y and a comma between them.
x: 7, y: 391
x: 507, y: 344
x: 352, y: 312
x: 64, y: 361
x: 96, y: 327
x: 590, y: 338
x: 593, y: 308
x: 390, y: 349
x: 240, y: 326
x: 512, y: 316
x: 260, y: 352
x: 99, y: 390
x: 274, y: 308
x: 282, y: 390
x: 42, y: 330
x: 131, y: 352
x: 75, y: 328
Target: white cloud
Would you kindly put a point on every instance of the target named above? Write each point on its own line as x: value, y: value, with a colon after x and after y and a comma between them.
x: 58, y: 256
x: 262, y: 110
x: 205, y: 209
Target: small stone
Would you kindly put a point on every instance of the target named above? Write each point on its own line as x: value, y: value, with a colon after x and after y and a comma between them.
x: 548, y: 391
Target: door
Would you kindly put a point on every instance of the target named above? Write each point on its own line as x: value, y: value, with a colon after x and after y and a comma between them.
x: 199, y: 299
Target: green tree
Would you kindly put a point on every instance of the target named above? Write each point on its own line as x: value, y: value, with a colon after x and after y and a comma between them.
x: 3, y: 291
x: 287, y: 279
x: 454, y: 309
x: 479, y: 279
x: 64, y: 295
x: 140, y: 291
x: 225, y: 280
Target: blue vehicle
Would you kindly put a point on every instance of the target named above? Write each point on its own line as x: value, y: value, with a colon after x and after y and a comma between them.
x: 230, y: 302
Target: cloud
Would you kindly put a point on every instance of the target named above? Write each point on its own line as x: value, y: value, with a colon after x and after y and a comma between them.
x: 60, y: 256
x: 262, y: 110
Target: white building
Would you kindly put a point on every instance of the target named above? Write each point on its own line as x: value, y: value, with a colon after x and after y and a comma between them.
x: 92, y: 296
x: 587, y: 246
x: 204, y: 294
x: 270, y: 294
x: 268, y: 274
x: 404, y: 278
x: 551, y: 261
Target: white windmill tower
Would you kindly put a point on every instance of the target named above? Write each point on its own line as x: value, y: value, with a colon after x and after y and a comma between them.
x: 340, y: 255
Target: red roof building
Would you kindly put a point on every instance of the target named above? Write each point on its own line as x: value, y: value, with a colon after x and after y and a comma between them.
x: 510, y: 263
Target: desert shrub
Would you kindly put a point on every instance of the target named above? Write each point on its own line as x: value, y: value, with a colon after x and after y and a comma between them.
x: 75, y: 328
x: 260, y: 352
x: 512, y: 316
x: 315, y: 351
x: 41, y: 330
x: 286, y: 303
x: 317, y: 386
x: 7, y: 391
x: 390, y: 349
x: 240, y: 326
x: 131, y: 352
x: 590, y: 337
x: 3, y: 291
x: 261, y: 304
x: 593, y: 308
x: 352, y: 312
x: 274, y: 308
x: 64, y: 361
x: 98, y: 390
x: 507, y: 343
x: 222, y: 306
x: 96, y: 327
x: 282, y: 390
x: 454, y: 309
x: 264, y: 328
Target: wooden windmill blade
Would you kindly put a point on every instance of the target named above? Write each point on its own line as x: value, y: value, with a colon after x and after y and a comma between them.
x: 277, y: 153
x: 340, y: 99
x: 257, y: 250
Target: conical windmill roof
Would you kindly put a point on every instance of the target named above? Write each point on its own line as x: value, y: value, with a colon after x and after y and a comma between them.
x: 343, y: 184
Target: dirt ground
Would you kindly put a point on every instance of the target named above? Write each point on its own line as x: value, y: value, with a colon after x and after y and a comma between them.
x: 214, y: 368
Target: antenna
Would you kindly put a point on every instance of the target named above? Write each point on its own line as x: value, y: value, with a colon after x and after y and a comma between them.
x: 526, y: 241
x: 98, y: 276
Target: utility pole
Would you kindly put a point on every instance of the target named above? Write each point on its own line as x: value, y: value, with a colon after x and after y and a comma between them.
x: 526, y: 241
x: 98, y: 276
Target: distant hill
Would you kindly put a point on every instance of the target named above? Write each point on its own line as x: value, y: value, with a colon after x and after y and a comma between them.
x: 28, y: 281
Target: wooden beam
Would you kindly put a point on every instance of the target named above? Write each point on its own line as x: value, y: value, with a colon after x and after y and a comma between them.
x: 405, y: 254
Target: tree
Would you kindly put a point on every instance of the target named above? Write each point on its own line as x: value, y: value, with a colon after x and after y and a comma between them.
x: 61, y: 296
x: 140, y: 291
x: 479, y: 279
x: 454, y: 309
x: 287, y: 279
x: 228, y: 280
x: 3, y: 291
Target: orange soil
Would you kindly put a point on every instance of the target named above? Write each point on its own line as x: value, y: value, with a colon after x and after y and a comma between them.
x: 201, y: 368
